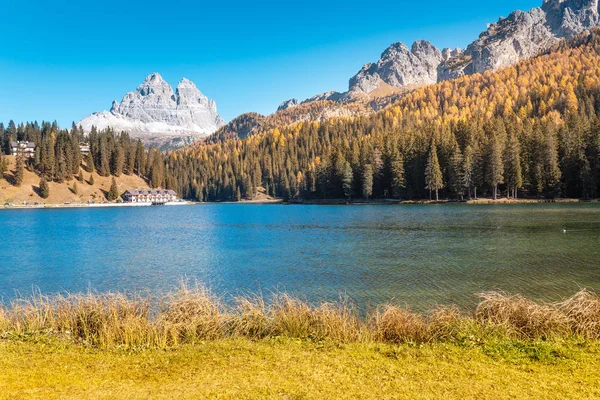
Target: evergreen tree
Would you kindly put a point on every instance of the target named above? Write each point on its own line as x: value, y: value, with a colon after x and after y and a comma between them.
x: 113, y: 193
x: 551, y: 171
x: 456, y: 172
x: 3, y: 165
x: 512, y: 166
x: 90, y: 163
x: 44, y: 189
x: 80, y: 176
x: 91, y: 180
x: 140, y: 158
x: 397, y: 172
x: 117, y: 161
x: 74, y: 189
x: 347, y: 180
x: 19, y: 171
x: 468, y: 170
x: 367, y: 181
x: 495, y: 174
x: 433, y: 173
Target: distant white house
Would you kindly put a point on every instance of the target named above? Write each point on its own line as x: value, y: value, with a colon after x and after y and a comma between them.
x: 84, y: 148
x: 154, y: 196
x: 25, y: 149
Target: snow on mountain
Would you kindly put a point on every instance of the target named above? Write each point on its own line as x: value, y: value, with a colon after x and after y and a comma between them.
x: 158, y: 115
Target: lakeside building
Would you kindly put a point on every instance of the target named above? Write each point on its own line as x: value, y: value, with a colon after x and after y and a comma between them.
x: 25, y: 149
x: 154, y: 196
x: 84, y: 148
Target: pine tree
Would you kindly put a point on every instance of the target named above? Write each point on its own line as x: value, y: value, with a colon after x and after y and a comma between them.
x: 3, y: 165
x: 433, y: 174
x: 113, y: 193
x: 551, y: 172
x: 44, y: 189
x: 74, y: 189
x: 512, y: 166
x: 140, y: 158
x: 117, y: 161
x: 91, y: 180
x: 90, y: 163
x: 367, y: 181
x: 495, y: 175
x: 456, y: 172
x: 397, y: 172
x: 347, y: 180
x: 19, y: 171
x: 104, y: 167
x: 80, y: 176
x: 468, y: 170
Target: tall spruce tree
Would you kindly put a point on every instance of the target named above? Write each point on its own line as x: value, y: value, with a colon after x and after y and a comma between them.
x: 44, y: 189
x: 433, y: 174
x: 495, y: 172
x: 19, y: 171
x: 347, y: 180
x: 512, y: 166
x: 397, y: 173
x: 367, y: 181
x: 113, y: 193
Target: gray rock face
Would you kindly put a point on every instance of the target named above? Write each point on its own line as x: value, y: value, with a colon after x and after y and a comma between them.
x: 155, y: 112
x: 288, y: 104
x: 331, y: 96
x: 399, y: 67
x: 522, y: 35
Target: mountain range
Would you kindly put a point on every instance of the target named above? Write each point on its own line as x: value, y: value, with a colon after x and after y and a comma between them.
x: 163, y: 117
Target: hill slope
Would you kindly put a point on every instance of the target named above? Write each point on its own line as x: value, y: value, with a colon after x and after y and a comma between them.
x: 62, y: 192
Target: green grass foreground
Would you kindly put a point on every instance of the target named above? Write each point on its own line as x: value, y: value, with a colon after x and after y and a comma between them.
x: 189, y: 344
x: 42, y: 368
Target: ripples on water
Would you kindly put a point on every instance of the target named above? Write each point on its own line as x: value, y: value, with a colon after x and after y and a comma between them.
x: 415, y: 255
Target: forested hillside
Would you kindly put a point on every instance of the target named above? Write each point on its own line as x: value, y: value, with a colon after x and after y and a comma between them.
x: 532, y: 129
x: 58, y: 158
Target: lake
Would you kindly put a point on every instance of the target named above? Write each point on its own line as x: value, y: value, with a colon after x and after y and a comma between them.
x: 420, y: 255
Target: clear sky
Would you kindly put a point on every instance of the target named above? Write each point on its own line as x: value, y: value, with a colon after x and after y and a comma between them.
x: 66, y: 59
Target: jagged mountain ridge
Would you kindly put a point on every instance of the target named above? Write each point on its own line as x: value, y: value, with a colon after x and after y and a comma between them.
x: 519, y: 36
x: 160, y: 116
x: 522, y: 35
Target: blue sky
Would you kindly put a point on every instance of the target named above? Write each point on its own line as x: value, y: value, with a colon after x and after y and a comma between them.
x: 66, y: 59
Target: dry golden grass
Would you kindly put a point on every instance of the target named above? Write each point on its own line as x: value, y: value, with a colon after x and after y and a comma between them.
x: 193, y: 314
x: 61, y: 192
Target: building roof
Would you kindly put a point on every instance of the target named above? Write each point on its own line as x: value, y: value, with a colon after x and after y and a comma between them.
x: 28, y: 145
x: 150, y: 192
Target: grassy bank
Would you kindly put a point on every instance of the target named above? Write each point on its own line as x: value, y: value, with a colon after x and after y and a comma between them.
x: 189, y: 344
x: 193, y: 314
x: 277, y: 368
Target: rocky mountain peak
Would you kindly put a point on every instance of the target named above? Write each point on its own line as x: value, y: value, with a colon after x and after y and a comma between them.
x: 522, y: 35
x: 157, y: 112
x: 399, y: 67
x: 287, y: 104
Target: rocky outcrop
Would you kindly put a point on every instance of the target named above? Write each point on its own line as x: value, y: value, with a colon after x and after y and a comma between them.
x: 522, y: 35
x: 330, y: 96
x: 287, y: 104
x: 398, y: 67
x: 157, y: 114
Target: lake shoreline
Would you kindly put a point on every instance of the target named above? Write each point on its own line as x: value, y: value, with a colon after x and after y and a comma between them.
x: 438, y: 202
x: 47, y: 206
x: 323, y: 202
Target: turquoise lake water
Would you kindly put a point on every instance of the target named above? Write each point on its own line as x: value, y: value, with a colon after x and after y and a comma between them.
x: 415, y: 255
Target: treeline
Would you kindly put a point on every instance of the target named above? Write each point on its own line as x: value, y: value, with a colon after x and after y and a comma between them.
x: 58, y: 155
x: 529, y: 130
